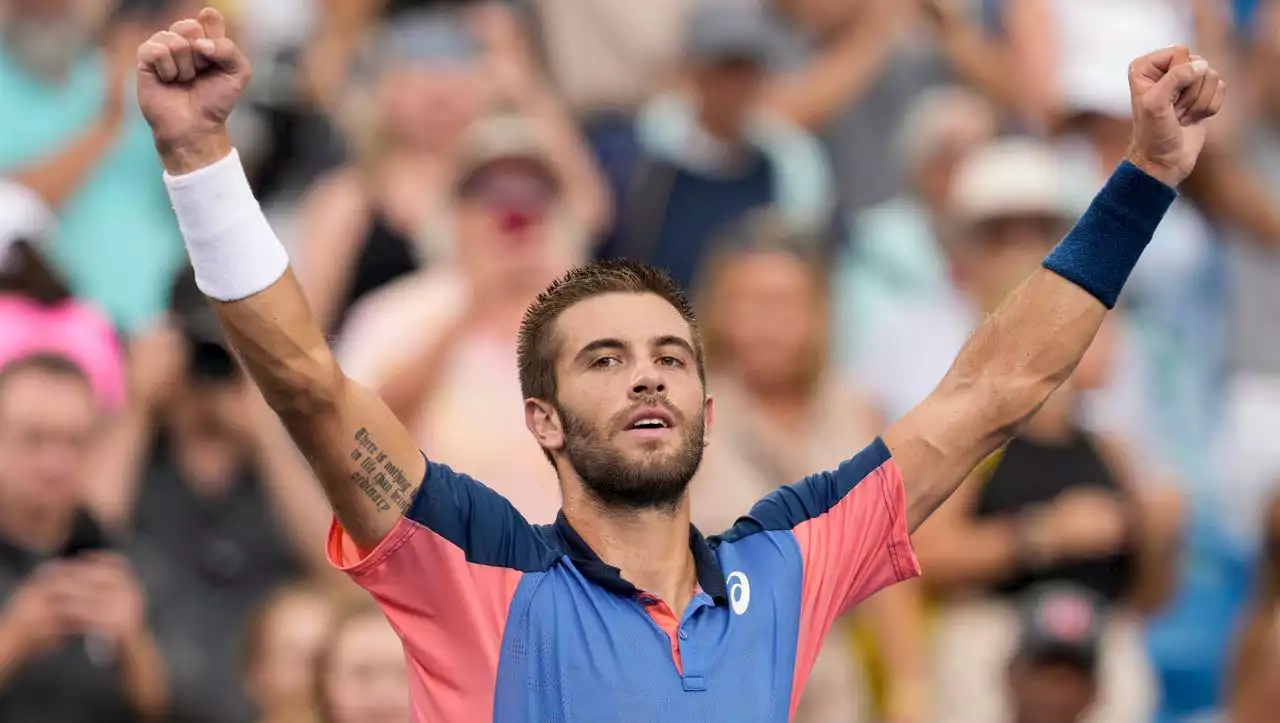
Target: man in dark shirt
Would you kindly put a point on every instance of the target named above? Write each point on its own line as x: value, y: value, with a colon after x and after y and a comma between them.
x: 209, y: 503
x: 74, y: 643
x: 714, y: 152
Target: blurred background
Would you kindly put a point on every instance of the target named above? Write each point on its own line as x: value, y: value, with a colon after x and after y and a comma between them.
x: 844, y: 187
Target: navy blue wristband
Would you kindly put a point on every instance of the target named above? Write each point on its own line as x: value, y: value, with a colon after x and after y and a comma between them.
x: 1106, y: 243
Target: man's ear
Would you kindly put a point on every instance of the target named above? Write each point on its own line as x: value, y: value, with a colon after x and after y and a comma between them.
x: 544, y: 423
x: 709, y: 417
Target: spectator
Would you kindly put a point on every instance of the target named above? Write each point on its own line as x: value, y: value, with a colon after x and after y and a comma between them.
x: 219, y: 508
x: 283, y: 645
x: 1253, y: 394
x: 894, y: 257
x: 780, y: 414
x: 1255, y: 675
x: 711, y: 152
x: 361, y: 672
x: 1058, y: 503
x: 1011, y: 183
x: 39, y: 315
x: 366, y: 225
x: 481, y: 61
x: 80, y: 146
x: 74, y: 640
x: 1054, y: 675
x: 848, y: 70
x: 440, y: 345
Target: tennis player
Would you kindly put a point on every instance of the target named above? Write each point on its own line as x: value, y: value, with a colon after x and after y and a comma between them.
x: 621, y: 610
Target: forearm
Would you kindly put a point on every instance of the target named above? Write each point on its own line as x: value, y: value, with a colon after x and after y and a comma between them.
x: 1029, y: 346
x: 144, y: 678
x: 981, y: 553
x: 585, y: 188
x: 1231, y: 193
x: 12, y: 654
x: 898, y: 617
x: 983, y: 64
x: 1159, y: 548
x: 812, y: 96
x: 57, y: 177
x: 118, y: 467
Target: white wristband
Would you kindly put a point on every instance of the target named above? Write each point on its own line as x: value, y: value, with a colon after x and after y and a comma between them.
x: 233, y: 250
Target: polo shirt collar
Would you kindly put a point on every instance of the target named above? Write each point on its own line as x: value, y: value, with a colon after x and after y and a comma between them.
x: 705, y: 562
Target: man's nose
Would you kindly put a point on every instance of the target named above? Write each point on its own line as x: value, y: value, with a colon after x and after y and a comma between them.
x: 648, y: 382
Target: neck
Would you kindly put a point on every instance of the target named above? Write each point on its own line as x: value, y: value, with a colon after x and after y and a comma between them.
x: 650, y: 547
x: 34, y: 527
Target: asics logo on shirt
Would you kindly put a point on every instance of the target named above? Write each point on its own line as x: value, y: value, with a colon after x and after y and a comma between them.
x: 739, y: 592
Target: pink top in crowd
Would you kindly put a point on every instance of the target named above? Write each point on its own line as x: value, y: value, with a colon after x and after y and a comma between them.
x: 72, y: 329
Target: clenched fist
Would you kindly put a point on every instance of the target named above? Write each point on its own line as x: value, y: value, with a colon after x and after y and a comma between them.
x: 189, y: 79
x: 1173, y: 93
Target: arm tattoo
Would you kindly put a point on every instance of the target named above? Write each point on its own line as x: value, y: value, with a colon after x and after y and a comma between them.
x: 379, y: 479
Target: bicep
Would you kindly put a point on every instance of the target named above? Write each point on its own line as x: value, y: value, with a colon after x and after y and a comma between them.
x: 938, y: 443
x: 1033, y: 48
x: 367, y: 461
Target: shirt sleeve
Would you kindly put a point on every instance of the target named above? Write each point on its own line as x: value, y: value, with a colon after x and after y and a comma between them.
x: 445, y: 576
x: 851, y: 527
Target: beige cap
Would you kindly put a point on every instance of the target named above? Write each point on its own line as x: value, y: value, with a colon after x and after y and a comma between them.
x: 1011, y: 176
x: 500, y: 138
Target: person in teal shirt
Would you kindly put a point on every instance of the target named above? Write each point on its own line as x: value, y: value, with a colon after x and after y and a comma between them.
x: 72, y: 133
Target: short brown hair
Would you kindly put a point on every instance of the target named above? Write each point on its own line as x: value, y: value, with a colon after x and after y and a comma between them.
x: 54, y: 365
x: 536, y: 351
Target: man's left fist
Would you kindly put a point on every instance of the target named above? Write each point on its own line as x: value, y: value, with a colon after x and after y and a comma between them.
x: 1174, y: 93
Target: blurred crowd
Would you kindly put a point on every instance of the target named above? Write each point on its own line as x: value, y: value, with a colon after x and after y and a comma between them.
x: 843, y: 187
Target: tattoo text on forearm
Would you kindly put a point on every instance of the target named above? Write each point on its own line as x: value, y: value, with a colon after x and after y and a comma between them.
x: 379, y: 479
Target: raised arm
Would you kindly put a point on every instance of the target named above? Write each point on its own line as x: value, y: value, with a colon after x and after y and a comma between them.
x: 1023, y: 351
x: 189, y: 79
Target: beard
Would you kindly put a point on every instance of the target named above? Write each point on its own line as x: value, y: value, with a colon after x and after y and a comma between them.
x: 654, y: 483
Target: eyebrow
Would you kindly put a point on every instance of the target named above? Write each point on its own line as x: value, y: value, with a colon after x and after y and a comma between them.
x: 620, y: 345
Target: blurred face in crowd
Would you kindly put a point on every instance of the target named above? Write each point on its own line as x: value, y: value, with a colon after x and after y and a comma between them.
x: 727, y: 91
x: 506, y: 225
x: 425, y: 104
x: 47, y: 36
x: 290, y: 634
x: 48, y: 422
x: 994, y: 255
x: 211, y: 417
x: 630, y: 399
x: 1050, y: 692
x: 365, y: 678
x: 767, y: 319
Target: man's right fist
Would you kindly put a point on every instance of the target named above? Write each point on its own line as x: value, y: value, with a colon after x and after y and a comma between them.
x: 189, y: 79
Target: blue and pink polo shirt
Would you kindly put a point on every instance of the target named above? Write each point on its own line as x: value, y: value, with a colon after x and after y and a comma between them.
x: 507, y: 621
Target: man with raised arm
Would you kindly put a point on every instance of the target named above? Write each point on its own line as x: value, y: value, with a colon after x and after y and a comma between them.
x: 621, y: 610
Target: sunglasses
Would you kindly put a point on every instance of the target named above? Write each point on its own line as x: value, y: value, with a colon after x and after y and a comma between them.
x: 526, y: 186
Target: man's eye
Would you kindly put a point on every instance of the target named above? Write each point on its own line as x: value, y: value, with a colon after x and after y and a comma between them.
x: 606, y: 361
x: 671, y: 361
